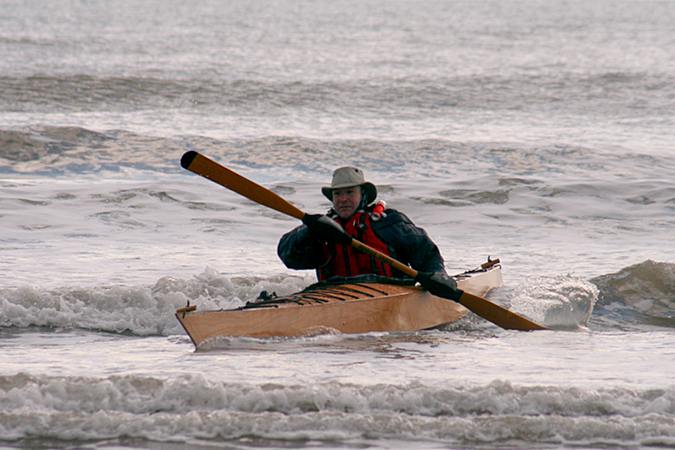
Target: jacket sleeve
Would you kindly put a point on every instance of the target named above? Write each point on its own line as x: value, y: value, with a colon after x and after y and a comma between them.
x: 410, y: 243
x: 298, y: 250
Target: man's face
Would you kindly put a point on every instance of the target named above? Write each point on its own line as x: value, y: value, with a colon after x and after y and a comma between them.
x: 346, y: 201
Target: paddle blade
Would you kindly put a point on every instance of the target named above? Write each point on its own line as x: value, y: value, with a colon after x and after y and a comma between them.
x: 496, y: 314
x: 201, y: 165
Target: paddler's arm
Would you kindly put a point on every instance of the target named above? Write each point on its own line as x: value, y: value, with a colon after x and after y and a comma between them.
x: 299, y: 249
x: 305, y: 246
x: 418, y: 250
x: 425, y: 257
x: 411, y: 244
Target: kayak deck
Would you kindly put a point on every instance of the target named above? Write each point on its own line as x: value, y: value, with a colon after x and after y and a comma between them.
x: 350, y: 305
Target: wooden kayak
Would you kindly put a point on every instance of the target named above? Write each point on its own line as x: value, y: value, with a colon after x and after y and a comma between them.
x: 350, y: 305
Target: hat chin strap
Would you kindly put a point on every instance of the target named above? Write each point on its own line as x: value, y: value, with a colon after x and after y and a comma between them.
x: 364, y: 201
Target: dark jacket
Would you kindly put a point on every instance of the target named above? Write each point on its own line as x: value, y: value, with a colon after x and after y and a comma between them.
x: 406, y: 242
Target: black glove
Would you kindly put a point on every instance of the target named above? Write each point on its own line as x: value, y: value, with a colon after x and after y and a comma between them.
x: 325, y: 228
x: 440, y: 284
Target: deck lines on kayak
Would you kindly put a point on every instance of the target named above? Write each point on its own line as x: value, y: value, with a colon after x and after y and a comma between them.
x: 337, y: 292
x: 372, y: 288
x: 315, y: 299
x: 351, y: 289
x: 336, y: 297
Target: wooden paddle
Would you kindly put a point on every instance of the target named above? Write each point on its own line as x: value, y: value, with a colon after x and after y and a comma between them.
x: 201, y: 165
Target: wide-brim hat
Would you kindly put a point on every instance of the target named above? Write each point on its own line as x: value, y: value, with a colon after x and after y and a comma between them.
x: 346, y: 177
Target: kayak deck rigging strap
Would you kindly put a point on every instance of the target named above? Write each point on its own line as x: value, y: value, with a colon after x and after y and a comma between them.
x: 305, y: 298
x: 344, y: 289
x: 358, y: 279
x: 337, y: 288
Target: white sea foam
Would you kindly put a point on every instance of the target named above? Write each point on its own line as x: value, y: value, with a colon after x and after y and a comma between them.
x: 196, y: 407
x: 137, y: 310
x: 559, y: 302
x: 141, y: 395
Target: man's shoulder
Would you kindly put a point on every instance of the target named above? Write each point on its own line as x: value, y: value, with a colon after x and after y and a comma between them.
x: 394, y: 213
x: 392, y: 217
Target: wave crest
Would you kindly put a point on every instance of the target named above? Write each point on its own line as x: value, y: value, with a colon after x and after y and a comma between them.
x: 193, y: 406
x: 643, y: 292
x: 137, y: 310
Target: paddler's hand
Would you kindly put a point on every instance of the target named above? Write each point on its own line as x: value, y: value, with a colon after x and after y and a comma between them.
x: 440, y: 284
x: 325, y: 228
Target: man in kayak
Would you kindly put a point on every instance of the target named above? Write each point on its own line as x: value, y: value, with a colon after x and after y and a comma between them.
x: 322, y: 242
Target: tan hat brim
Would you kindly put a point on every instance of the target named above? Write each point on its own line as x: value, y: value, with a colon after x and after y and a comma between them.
x: 369, y: 188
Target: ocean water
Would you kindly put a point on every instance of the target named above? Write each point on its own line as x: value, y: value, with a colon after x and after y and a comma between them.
x: 539, y: 132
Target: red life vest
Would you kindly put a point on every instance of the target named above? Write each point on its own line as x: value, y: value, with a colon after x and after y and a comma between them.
x: 345, y: 261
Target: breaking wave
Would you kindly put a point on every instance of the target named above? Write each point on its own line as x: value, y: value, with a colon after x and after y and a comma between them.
x: 74, y: 149
x: 136, y: 310
x: 391, y: 96
x: 49, y: 149
x: 643, y: 293
x: 639, y: 294
x: 193, y: 406
x: 558, y: 302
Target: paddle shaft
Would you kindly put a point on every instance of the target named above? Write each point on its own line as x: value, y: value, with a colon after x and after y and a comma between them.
x: 201, y: 165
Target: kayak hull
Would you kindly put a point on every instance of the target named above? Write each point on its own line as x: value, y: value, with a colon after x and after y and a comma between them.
x: 347, y: 307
